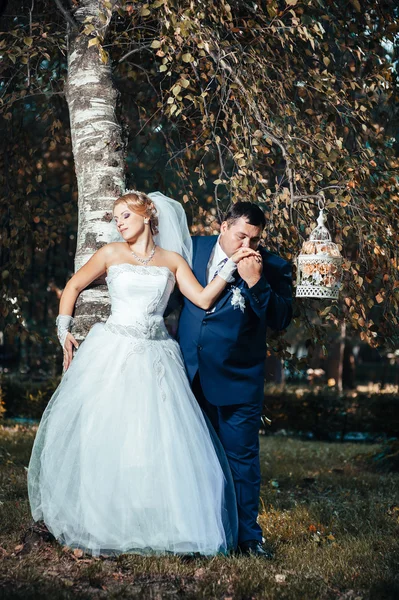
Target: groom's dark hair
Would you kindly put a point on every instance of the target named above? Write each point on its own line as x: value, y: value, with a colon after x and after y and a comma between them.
x: 250, y: 211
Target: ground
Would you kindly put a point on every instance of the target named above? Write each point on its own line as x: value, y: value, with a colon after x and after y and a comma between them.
x: 331, y: 516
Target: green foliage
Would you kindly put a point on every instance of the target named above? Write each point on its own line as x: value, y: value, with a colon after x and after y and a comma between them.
x: 273, y: 102
x: 38, y: 210
x: 2, y: 402
x: 25, y: 398
x: 327, y: 414
x: 275, y: 105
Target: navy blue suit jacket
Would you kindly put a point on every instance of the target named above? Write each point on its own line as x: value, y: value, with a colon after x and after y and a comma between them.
x: 228, y: 347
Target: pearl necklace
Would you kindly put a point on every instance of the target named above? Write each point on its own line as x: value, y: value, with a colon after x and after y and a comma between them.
x: 144, y: 261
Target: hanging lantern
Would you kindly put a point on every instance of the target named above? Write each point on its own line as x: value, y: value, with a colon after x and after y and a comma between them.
x: 319, y: 265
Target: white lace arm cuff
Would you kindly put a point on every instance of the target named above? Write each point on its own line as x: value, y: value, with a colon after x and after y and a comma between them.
x: 64, y: 325
x: 226, y: 272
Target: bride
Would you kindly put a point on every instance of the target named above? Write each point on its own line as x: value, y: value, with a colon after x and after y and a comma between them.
x: 123, y: 460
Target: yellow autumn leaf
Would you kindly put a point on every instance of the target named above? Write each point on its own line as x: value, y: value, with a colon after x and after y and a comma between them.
x: 356, y: 4
x: 104, y: 56
x: 93, y: 42
x: 88, y: 29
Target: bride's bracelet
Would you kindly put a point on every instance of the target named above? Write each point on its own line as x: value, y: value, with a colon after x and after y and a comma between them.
x: 227, y: 270
x: 64, y: 325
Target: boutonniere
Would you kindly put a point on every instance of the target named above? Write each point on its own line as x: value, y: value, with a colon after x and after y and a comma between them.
x: 237, y: 300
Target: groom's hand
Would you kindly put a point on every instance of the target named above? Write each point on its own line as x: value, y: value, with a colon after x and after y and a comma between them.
x: 250, y: 270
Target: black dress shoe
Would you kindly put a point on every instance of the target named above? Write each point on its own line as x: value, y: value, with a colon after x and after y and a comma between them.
x: 255, y: 548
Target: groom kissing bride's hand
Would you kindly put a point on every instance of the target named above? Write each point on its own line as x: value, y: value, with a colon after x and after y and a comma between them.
x: 250, y: 269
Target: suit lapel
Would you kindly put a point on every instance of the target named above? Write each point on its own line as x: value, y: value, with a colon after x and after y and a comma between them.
x: 202, y: 256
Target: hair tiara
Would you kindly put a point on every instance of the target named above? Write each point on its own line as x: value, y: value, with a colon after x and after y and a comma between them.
x: 131, y: 192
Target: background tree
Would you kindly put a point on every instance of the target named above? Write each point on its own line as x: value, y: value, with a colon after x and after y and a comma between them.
x: 273, y: 102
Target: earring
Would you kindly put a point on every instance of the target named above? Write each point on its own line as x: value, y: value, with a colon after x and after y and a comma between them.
x: 146, y: 221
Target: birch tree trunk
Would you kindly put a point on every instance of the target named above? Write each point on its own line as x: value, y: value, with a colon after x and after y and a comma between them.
x: 98, y: 153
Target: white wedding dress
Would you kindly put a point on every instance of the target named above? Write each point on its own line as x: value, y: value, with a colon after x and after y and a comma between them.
x: 123, y: 460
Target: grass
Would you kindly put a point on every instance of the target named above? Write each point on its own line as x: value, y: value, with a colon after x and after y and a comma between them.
x: 332, y: 518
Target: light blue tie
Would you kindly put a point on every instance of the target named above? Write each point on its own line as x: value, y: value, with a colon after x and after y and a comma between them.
x: 219, y: 267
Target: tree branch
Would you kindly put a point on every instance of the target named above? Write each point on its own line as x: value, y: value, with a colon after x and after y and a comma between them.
x: 67, y: 15
x: 221, y: 61
x: 146, y: 47
x: 222, y: 172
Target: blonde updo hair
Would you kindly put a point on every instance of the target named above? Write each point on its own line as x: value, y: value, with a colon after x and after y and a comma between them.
x: 141, y: 204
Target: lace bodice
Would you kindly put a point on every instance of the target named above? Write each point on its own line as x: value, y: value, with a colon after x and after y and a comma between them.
x: 139, y: 296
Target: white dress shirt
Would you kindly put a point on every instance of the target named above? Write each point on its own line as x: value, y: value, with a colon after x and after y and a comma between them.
x: 217, y: 256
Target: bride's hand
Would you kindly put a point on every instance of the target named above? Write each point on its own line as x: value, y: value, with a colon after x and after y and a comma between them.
x: 69, y: 344
x: 245, y: 253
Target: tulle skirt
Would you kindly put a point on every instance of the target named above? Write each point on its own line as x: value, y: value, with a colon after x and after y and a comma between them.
x: 124, y: 460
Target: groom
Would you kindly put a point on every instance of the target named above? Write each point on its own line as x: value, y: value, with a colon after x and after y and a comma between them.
x: 224, y: 350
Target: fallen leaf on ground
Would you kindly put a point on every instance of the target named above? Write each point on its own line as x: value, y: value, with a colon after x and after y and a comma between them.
x: 199, y: 573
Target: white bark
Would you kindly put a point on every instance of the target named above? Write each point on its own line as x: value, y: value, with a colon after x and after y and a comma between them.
x: 98, y: 154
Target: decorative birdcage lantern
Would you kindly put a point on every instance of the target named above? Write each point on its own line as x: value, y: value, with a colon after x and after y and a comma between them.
x: 319, y: 265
